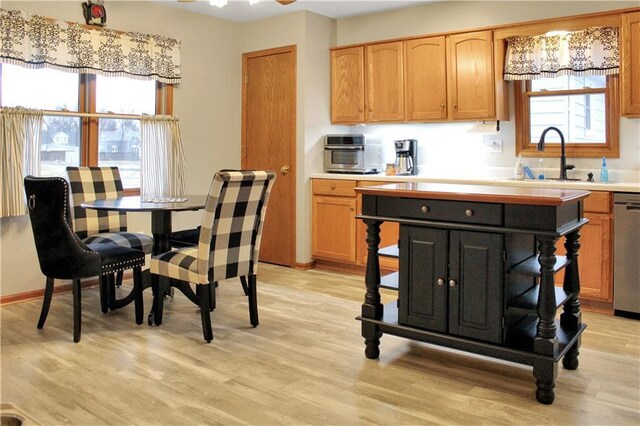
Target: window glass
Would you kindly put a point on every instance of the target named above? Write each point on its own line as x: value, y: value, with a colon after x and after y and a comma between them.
x: 581, y: 116
x: 118, y: 139
x: 48, y: 90
x: 42, y: 88
x: 60, y: 145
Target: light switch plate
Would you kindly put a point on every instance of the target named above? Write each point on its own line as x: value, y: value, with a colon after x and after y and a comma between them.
x: 493, y: 144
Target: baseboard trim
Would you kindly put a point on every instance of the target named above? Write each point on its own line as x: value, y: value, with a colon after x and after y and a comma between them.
x: 63, y: 288
x: 304, y: 266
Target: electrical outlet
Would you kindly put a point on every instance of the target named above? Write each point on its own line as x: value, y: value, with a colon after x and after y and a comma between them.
x: 493, y: 144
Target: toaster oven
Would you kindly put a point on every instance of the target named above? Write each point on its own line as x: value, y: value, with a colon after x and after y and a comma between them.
x: 352, y: 154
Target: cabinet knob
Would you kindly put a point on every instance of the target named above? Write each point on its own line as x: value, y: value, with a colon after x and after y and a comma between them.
x: 440, y: 282
x: 425, y: 209
x: 370, y: 109
x: 455, y: 106
x: 333, y: 186
x: 442, y: 106
x: 452, y: 283
x: 360, y: 110
x: 469, y: 212
x: 284, y: 169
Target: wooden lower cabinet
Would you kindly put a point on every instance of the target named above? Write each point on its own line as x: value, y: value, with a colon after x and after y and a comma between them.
x: 336, y: 233
x: 596, y: 247
x: 333, y: 222
x: 338, y: 236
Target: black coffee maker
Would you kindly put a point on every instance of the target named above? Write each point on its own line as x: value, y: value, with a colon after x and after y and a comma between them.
x: 406, y: 157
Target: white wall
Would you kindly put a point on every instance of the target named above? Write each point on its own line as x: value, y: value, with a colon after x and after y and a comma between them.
x: 208, y: 103
x: 313, y: 35
x: 453, y: 148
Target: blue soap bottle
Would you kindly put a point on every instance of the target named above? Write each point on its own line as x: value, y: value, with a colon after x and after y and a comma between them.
x: 604, y: 172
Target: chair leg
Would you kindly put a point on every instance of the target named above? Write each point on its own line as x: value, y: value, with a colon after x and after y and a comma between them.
x: 137, y: 288
x: 253, y: 301
x: 158, y: 298
x: 112, y: 288
x: 104, y: 293
x: 119, y: 278
x: 77, y: 311
x: 46, y: 302
x: 203, y: 291
x: 245, y: 287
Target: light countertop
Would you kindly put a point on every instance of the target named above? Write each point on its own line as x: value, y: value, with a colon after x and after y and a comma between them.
x: 591, y: 186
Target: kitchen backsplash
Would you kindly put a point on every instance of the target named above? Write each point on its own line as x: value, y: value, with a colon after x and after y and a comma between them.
x: 468, y: 149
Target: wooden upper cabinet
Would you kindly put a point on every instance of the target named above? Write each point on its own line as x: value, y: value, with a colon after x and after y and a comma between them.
x: 384, y: 98
x: 347, y: 85
x: 471, y: 90
x: 426, y: 79
x: 630, y: 62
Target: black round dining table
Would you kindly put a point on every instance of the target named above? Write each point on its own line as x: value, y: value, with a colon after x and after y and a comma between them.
x: 160, y: 209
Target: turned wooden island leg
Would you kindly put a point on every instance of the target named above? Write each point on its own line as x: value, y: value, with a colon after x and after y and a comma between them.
x: 571, y: 316
x: 546, y: 341
x: 372, y: 308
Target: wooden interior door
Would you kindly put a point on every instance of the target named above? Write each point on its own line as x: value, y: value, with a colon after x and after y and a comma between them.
x: 268, y: 142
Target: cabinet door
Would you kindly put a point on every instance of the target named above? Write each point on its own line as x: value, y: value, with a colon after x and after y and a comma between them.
x: 475, y: 285
x: 347, y: 85
x: 426, y: 79
x: 594, y: 259
x: 630, y: 63
x: 385, y: 86
x: 471, y: 89
x: 334, y: 228
x: 423, y: 274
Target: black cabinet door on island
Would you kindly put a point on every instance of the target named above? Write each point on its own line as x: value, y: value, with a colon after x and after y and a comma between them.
x: 452, y: 281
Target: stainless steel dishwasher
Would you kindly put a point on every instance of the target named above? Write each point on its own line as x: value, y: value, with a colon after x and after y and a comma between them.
x: 626, y: 254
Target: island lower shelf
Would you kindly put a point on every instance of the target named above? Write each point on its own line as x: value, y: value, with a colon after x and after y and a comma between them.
x: 518, y: 346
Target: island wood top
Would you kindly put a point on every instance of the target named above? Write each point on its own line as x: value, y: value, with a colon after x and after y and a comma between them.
x: 478, y: 193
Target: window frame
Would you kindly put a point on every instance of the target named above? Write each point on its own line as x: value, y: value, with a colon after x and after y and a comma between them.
x: 89, y: 129
x: 528, y: 148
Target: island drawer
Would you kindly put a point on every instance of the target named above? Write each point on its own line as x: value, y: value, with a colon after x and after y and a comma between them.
x: 451, y: 211
x: 341, y: 188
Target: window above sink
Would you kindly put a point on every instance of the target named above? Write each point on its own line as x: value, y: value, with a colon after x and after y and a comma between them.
x: 585, y: 108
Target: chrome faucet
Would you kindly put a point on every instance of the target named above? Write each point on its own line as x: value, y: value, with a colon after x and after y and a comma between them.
x: 563, y: 158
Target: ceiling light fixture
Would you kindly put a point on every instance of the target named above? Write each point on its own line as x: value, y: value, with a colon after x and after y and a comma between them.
x: 218, y: 3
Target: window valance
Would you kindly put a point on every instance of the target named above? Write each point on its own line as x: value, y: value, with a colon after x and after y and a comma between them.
x: 34, y: 41
x: 593, y: 51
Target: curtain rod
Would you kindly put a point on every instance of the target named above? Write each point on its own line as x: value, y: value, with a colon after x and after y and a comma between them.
x: 92, y: 114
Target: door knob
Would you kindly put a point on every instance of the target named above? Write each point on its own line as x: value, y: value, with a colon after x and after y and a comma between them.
x: 452, y: 283
x: 284, y: 169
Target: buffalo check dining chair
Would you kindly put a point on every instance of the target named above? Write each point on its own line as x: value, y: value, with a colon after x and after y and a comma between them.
x: 228, y: 243
x: 96, y: 226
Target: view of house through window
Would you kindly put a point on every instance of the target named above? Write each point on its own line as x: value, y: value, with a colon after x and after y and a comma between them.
x: 579, y: 109
x: 118, y: 140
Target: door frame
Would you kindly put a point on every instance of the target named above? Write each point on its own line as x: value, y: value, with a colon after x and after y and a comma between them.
x: 293, y: 166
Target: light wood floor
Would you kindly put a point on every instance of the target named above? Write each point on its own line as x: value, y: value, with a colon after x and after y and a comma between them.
x: 304, y: 364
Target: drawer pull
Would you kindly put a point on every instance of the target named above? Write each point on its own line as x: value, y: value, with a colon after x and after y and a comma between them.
x: 440, y: 282
x: 425, y: 209
x: 469, y: 212
x: 452, y: 283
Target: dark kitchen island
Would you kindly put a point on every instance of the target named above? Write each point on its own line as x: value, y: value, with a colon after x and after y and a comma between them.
x: 477, y: 266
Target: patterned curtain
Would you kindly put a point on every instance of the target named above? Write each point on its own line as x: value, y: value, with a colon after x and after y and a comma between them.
x: 37, y: 42
x: 593, y: 51
x: 20, y: 131
x: 162, y: 169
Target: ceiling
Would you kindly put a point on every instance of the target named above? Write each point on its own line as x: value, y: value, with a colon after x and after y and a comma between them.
x: 241, y: 11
